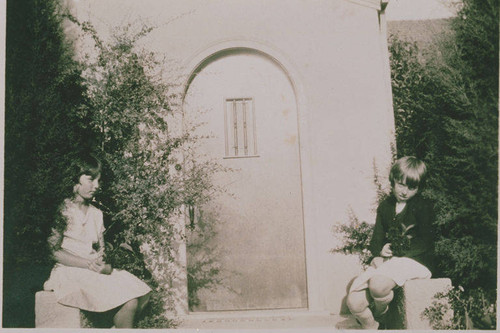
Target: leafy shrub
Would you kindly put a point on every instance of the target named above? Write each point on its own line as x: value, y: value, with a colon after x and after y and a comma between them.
x: 447, y: 114
x: 471, y: 310
x: 356, y: 235
x: 151, y: 173
x: 203, y: 269
x: 355, y: 239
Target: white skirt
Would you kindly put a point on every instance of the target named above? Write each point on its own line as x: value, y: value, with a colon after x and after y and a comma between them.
x: 88, y: 290
x: 399, y: 269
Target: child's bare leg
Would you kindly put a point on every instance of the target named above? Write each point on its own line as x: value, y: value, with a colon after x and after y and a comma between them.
x: 381, y: 291
x: 124, y: 318
x: 357, y: 302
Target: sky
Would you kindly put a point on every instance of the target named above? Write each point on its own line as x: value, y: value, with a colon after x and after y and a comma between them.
x: 418, y: 9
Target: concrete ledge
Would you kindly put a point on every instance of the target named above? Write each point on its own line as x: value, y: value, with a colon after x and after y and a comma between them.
x: 50, y: 314
x: 411, y: 301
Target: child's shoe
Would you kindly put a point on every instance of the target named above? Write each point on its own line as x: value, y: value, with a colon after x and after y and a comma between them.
x: 365, y: 319
x: 374, y: 326
x: 368, y: 326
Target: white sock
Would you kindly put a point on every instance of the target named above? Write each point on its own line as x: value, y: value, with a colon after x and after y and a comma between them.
x: 382, y: 303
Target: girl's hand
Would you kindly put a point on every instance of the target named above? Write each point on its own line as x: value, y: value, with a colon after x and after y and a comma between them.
x: 94, y: 265
x: 386, y: 251
x: 107, y: 269
x: 100, y: 255
x: 100, y: 267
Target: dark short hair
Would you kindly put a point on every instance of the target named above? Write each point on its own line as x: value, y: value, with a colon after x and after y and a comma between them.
x: 86, y: 165
x: 410, y: 170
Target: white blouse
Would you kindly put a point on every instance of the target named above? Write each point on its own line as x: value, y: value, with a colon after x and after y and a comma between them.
x: 82, y: 230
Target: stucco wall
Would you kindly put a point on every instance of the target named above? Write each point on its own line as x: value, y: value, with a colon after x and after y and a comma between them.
x: 332, y: 52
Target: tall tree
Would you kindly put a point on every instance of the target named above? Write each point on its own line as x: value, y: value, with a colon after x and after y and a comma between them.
x: 446, y: 105
x: 42, y: 131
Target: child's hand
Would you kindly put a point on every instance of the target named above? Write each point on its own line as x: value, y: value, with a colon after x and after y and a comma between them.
x: 377, y: 261
x: 386, y: 251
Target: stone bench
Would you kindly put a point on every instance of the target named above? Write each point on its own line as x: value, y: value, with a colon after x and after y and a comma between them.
x: 411, y: 301
x: 405, y: 311
x: 50, y: 314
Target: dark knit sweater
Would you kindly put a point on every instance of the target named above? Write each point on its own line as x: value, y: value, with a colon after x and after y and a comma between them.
x: 418, y: 216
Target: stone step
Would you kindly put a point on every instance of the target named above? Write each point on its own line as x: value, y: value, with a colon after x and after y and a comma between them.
x: 267, y: 319
x: 50, y: 314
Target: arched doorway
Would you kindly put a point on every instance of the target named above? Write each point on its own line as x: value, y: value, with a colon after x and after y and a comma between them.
x: 248, y: 108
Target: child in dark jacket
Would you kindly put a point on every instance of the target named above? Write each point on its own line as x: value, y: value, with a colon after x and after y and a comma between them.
x: 402, y: 243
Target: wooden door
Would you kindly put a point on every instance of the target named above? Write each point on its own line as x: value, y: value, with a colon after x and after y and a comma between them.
x: 248, y: 107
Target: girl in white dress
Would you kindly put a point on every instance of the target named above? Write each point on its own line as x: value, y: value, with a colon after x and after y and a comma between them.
x: 81, y: 278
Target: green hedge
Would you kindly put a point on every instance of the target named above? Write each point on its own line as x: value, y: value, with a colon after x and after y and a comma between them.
x: 42, y: 131
x: 446, y: 112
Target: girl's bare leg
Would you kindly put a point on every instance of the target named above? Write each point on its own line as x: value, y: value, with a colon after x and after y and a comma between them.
x: 124, y: 318
x: 143, y: 301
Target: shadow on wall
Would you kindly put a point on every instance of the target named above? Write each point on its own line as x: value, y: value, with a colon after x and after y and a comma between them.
x: 205, y: 272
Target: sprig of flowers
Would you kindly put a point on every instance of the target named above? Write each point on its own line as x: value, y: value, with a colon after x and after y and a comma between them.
x: 399, y: 237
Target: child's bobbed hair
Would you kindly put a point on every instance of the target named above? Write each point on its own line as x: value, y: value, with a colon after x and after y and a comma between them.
x: 81, y: 164
x: 410, y: 171
x: 86, y: 165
